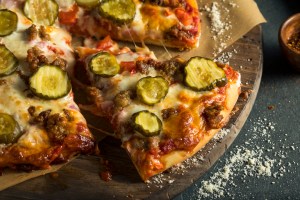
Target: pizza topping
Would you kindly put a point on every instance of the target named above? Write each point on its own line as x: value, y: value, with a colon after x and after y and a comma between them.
x: 31, y: 110
x: 43, y: 33
x: 202, y: 74
x: 3, y: 82
x: 146, y: 123
x: 42, y: 12
x: 120, y: 11
x: 42, y: 117
x: 36, y: 58
x: 212, y: 116
x: 143, y: 66
x: 94, y: 95
x: 168, y: 112
x: 104, y: 64
x: 32, y: 32
x: 9, y: 129
x: 68, y: 115
x: 8, y: 61
x: 60, y: 62
x: 56, y: 127
x: 152, y: 90
x: 169, y: 68
x: 183, y: 16
x: 177, y: 32
x: 50, y: 82
x: 122, y: 99
x: 87, y: 3
x: 8, y: 22
x: 169, y: 3
x: 69, y: 17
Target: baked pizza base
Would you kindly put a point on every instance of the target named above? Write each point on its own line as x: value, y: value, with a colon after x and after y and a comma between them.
x: 177, y: 156
x: 149, y: 163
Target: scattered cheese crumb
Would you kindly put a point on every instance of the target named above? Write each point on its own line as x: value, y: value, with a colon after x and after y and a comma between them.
x: 248, y: 160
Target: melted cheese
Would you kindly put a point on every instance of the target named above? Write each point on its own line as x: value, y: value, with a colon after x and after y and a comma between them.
x: 155, y: 22
x: 14, y: 101
x: 178, y: 96
x: 138, y: 26
x: 17, y: 42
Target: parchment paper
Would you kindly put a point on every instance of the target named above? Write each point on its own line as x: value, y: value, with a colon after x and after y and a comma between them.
x: 238, y: 17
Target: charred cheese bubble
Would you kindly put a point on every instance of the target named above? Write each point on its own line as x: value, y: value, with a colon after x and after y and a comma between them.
x: 8, y: 61
x: 203, y: 74
x: 41, y: 12
x: 50, y: 82
x: 146, y: 123
x: 104, y: 64
x: 8, y: 22
x: 119, y: 11
x: 152, y: 90
x: 88, y: 3
x: 9, y: 129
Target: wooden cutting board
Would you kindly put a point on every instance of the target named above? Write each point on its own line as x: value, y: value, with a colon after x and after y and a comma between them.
x: 80, y: 178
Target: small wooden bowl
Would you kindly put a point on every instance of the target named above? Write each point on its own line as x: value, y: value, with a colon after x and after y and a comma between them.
x: 290, y: 26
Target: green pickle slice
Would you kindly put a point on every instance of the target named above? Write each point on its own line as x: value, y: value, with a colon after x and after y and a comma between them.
x: 104, y: 64
x: 9, y: 129
x: 202, y: 74
x: 8, y: 22
x: 120, y: 11
x: 8, y: 62
x: 152, y: 90
x: 146, y: 123
x: 88, y: 3
x: 50, y: 82
x: 42, y: 12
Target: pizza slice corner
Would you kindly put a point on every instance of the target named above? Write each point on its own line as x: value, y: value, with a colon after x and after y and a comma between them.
x: 162, y: 111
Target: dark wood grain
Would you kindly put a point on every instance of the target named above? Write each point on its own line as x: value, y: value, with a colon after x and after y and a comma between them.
x: 80, y: 178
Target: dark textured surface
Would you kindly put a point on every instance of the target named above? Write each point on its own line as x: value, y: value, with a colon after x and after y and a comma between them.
x: 280, y: 87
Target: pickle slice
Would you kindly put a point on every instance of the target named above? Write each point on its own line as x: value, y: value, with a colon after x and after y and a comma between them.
x: 146, y: 123
x: 120, y: 11
x: 88, y: 3
x: 41, y: 12
x: 104, y: 64
x: 8, y: 62
x: 8, y: 22
x: 50, y: 82
x: 9, y: 129
x: 203, y: 74
x: 152, y: 90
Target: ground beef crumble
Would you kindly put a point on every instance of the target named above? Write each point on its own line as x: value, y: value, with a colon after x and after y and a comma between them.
x: 36, y: 58
x: 212, y: 116
x: 56, y: 125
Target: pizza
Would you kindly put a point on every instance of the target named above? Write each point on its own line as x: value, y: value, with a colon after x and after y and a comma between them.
x: 40, y: 124
x: 173, y: 23
x: 162, y: 111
